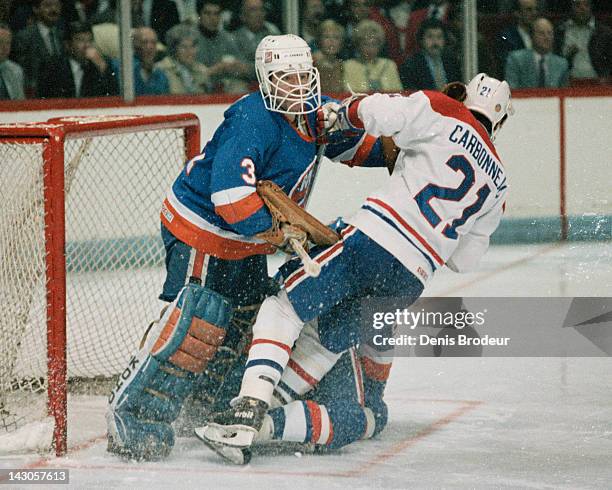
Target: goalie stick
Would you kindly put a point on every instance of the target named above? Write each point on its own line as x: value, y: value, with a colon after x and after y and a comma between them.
x: 312, y: 268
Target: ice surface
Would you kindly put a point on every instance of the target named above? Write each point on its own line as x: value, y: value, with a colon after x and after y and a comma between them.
x: 454, y: 423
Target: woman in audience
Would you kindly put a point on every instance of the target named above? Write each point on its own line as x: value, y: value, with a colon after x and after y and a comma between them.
x: 185, y: 74
x: 369, y: 72
x: 330, y: 66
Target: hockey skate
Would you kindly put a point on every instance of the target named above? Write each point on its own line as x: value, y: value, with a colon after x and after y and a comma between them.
x: 232, y: 432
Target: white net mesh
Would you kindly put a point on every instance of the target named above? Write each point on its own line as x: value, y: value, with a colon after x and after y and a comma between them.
x: 22, y: 279
x: 114, y: 257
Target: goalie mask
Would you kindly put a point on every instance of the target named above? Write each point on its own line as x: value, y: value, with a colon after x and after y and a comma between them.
x: 490, y: 98
x: 288, y: 82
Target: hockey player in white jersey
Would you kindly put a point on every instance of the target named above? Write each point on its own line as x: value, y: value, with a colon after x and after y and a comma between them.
x: 444, y: 199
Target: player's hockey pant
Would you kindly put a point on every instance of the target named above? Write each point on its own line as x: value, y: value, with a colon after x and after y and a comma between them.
x: 150, y: 392
x: 353, y: 269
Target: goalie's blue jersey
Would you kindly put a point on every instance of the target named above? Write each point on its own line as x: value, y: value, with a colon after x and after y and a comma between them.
x: 213, y: 205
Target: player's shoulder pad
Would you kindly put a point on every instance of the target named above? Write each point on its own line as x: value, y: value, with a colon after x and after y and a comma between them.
x: 439, y: 98
x: 449, y: 107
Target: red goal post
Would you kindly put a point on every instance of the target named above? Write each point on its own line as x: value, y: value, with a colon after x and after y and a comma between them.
x: 80, y: 192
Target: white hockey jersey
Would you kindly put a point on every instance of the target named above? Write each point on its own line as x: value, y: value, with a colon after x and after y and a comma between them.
x: 448, y: 189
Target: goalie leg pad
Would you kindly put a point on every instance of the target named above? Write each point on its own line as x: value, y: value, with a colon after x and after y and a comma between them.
x: 151, y: 390
x: 147, y: 440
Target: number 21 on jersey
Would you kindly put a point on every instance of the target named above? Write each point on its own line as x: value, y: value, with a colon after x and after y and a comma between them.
x: 432, y: 191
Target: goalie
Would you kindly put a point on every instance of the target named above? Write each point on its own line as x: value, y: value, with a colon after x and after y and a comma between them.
x: 217, y: 231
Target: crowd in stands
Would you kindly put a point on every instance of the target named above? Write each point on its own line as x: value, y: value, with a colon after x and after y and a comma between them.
x: 70, y: 48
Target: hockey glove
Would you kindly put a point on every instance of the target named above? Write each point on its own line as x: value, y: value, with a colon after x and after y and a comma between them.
x: 327, y: 116
x: 347, y: 119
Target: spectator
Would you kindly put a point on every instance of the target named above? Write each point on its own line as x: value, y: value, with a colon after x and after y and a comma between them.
x: 518, y: 35
x: 422, y: 11
x: 148, y: 80
x: 573, y: 38
x: 312, y: 15
x: 218, y: 50
x: 360, y: 10
x: 11, y: 74
x: 81, y: 72
x: 327, y: 60
x: 184, y: 73
x: 369, y: 72
x: 432, y: 66
x: 38, y: 43
x: 537, y: 67
x: 254, y: 28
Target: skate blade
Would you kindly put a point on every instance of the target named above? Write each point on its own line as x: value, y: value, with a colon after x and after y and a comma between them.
x: 240, y: 436
x: 231, y: 454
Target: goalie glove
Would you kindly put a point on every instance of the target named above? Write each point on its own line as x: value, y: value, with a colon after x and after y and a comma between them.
x: 293, y: 227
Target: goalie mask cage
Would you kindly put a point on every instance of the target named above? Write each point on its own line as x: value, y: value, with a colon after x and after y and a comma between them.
x: 81, y: 260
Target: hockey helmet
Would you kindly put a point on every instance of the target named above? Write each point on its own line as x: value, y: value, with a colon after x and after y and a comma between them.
x: 288, y: 81
x: 491, y: 98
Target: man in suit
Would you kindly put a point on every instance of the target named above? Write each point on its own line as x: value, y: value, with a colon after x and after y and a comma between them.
x: 82, y: 72
x: 537, y: 67
x: 38, y: 43
x: 431, y: 67
x: 148, y: 79
x: 518, y: 35
x: 11, y: 74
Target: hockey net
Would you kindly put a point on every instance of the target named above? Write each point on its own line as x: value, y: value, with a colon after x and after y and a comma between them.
x: 92, y: 188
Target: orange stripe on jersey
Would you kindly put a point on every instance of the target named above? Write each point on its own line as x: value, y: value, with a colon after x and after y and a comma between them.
x: 362, y: 152
x: 374, y: 370
x: 353, y: 115
x: 241, y: 209
x: 301, y: 373
x: 315, y: 418
x: 208, y: 242
x: 452, y: 108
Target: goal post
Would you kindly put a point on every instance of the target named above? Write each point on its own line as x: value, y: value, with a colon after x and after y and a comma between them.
x: 79, y: 225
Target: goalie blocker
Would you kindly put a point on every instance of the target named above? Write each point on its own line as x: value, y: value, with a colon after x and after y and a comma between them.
x: 174, y: 353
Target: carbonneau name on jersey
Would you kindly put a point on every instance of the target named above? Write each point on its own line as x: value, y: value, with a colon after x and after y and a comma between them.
x: 487, y: 162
